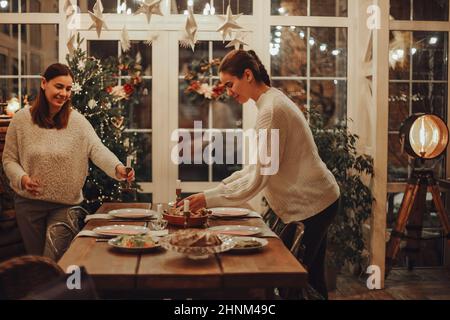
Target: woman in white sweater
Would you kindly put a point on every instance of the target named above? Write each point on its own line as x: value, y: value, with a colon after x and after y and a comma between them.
x: 302, y: 189
x: 46, y: 158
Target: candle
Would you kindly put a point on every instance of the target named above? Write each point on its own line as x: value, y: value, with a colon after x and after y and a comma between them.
x: 186, y: 206
x: 129, y: 158
x: 159, y: 208
x: 178, y: 184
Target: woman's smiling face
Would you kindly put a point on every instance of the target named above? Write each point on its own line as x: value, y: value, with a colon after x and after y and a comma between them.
x: 57, y: 92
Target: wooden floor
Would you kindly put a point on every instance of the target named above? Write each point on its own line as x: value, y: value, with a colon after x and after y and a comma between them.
x: 419, y: 284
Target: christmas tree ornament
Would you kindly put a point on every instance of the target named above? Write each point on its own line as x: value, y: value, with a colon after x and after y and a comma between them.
x: 150, y: 8
x: 237, y: 42
x: 98, y: 21
x: 228, y: 23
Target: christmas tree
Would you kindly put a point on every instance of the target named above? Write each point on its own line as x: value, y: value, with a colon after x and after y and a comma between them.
x: 98, y: 95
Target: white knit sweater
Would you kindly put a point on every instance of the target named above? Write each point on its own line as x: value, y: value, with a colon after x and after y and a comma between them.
x: 302, y: 187
x: 58, y: 158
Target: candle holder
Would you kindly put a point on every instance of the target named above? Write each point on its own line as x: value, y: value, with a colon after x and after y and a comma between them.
x: 423, y: 137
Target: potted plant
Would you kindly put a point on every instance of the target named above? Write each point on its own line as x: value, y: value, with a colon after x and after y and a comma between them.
x: 337, y: 147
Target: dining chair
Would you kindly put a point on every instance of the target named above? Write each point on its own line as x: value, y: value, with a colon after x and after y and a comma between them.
x: 21, y: 275
x: 76, y: 216
x: 59, y: 238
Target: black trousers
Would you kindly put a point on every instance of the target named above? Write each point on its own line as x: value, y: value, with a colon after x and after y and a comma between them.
x: 315, y: 246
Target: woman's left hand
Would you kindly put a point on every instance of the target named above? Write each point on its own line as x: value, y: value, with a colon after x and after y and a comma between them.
x: 121, y: 173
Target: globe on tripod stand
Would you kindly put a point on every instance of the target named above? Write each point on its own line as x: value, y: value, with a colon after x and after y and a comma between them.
x: 423, y: 137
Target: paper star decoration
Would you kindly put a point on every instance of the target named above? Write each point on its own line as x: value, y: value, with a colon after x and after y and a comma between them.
x: 69, y: 8
x: 236, y: 42
x: 190, y: 37
x: 229, y: 23
x: 125, y: 40
x: 71, y: 43
x: 150, y: 40
x: 149, y: 9
x: 97, y: 18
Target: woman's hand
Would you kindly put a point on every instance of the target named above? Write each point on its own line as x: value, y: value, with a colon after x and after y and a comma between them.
x: 32, y: 185
x: 121, y: 173
x: 196, y: 201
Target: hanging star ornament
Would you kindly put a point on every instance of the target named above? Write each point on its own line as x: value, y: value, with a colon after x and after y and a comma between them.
x: 190, y: 37
x: 125, y: 40
x: 69, y: 9
x: 237, y: 42
x: 150, y: 40
x: 149, y: 9
x: 98, y: 21
x: 71, y: 43
x: 229, y: 23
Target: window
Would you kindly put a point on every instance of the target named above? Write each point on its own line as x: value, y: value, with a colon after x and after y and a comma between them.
x: 310, y: 65
x: 418, y: 82
x: 19, y: 81
x: 219, y: 115
x: 139, y: 116
x: 330, y: 8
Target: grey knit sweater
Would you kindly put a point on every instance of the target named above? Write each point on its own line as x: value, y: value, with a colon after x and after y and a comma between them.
x: 58, y: 158
x: 302, y: 186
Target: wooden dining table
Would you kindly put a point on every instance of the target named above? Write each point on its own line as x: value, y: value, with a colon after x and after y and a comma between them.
x: 168, y: 274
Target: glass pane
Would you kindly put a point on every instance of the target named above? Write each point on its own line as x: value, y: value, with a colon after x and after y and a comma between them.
x: 144, y: 197
x: 328, y: 52
x: 400, y: 50
x: 400, y: 9
x: 8, y: 89
x: 430, y: 58
x: 397, y: 162
x: 232, y: 156
x: 220, y: 7
x: 140, y: 115
x: 187, y: 57
x: 102, y: 49
x: 191, y: 110
x: 41, y: 48
x: 226, y: 114
x: 30, y: 90
x: 288, y: 51
x: 398, y: 105
x: 109, y: 6
x: 8, y: 51
x: 219, y: 51
x: 289, y: 7
x: 329, y: 8
x: 330, y: 98
x: 430, y: 98
x: 143, y: 163
x: 50, y: 6
x: 190, y: 171
x: 296, y: 90
x: 9, y: 6
x: 140, y: 49
x: 435, y: 10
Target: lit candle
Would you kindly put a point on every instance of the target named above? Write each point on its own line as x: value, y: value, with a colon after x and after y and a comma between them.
x: 159, y: 208
x: 129, y: 158
x: 178, y: 184
x: 186, y: 206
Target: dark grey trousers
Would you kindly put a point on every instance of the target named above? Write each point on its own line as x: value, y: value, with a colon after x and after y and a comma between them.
x: 33, y: 219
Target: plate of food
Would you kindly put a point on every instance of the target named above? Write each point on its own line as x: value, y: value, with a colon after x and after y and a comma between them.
x: 175, y: 216
x: 134, y: 244
x: 197, y: 244
x: 248, y: 244
x: 236, y: 230
x: 229, y: 212
x: 119, y: 230
x: 132, y: 213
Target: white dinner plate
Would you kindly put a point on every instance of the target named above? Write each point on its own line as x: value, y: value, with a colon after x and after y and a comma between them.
x: 229, y: 212
x: 117, y: 230
x: 132, y: 213
x: 241, y: 241
x: 236, y: 230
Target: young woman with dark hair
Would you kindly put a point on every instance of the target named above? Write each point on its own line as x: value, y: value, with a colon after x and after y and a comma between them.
x: 302, y: 189
x: 46, y: 158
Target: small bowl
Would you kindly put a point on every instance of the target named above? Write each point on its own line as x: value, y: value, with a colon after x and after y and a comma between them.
x: 179, y: 220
